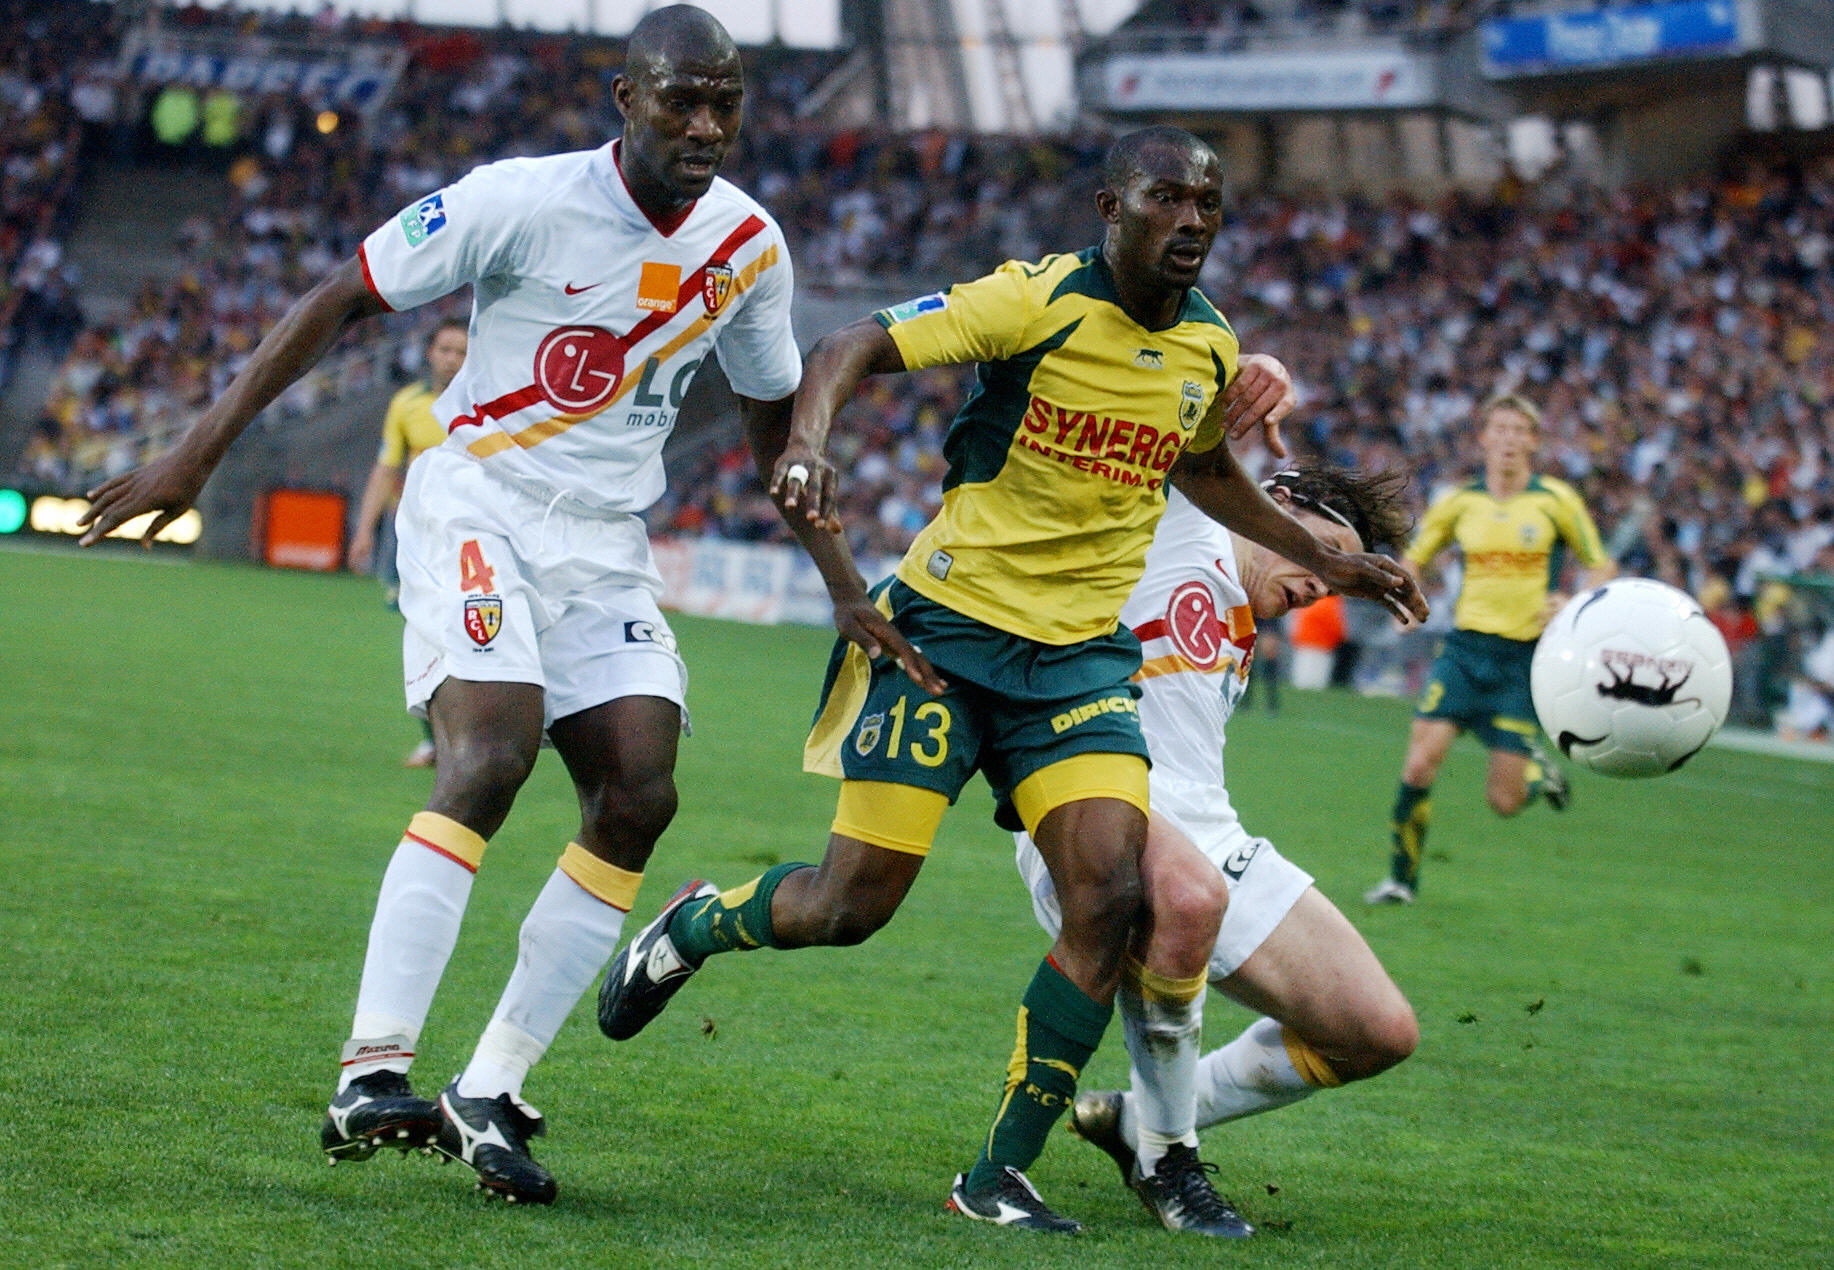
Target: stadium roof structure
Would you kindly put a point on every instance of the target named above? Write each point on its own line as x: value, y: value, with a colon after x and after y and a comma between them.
x: 799, y: 23
x: 991, y: 65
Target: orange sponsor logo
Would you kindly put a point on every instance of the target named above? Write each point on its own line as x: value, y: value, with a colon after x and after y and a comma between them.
x: 659, y: 287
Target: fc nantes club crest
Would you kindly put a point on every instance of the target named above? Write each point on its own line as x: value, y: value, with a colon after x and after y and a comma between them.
x: 867, y: 738
x: 1191, y: 408
x: 716, y: 287
x: 483, y: 618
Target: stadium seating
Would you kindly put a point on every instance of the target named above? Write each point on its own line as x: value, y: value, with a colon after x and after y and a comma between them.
x: 1677, y: 337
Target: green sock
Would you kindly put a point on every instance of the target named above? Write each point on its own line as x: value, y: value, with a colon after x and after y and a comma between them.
x: 732, y: 921
x: 1534, y: 776
x: 1407, y: 830
x: 1059, y: 1028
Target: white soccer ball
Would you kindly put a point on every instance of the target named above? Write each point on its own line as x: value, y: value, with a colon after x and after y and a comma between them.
x: 1631, y: 679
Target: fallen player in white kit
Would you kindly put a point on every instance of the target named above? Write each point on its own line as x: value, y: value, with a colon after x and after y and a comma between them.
x: 1331, y: 1013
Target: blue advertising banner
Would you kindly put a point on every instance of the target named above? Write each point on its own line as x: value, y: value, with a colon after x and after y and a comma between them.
x: 337, y: 79
x: 1610, y: 37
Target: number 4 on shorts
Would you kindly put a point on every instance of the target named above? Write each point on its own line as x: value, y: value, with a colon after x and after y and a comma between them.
x: 474, y: 574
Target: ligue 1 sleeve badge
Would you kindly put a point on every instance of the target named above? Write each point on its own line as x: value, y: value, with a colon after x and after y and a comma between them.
x: 483, y: 618
x: 715, y: 287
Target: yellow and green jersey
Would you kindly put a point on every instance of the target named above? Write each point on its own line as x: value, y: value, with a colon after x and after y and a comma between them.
x: 1514, y: 550
x: 1058, y: 459
x: 409, y: 429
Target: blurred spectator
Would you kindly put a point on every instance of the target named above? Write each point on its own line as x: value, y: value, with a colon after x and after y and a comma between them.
x: 1315, y: 633
x: 44, y: 44
x: 1808, y: 713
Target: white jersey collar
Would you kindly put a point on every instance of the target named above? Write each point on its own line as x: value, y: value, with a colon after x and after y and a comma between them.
x: 609, y: 171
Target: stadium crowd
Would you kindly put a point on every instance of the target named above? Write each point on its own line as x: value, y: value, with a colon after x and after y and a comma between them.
x: 40, y: 141
x: 1677, y: 339
x: 1228, y: 25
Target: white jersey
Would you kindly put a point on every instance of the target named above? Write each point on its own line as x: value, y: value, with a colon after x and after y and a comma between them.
x: 1197, y: 635
x: 588, y: 320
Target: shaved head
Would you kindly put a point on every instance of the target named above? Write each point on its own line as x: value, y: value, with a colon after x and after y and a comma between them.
x: 1129, y: 155
x: 677, y: 35
x: 682, y: 95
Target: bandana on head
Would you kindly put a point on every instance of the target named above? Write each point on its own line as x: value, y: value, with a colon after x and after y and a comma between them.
x: 1284, y: 480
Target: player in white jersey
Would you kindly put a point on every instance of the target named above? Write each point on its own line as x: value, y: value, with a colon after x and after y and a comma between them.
x: 1226, y: 908
x: 601, y: 280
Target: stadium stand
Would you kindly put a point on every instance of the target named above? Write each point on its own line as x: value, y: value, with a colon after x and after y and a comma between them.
x: 1677, y: 336
x: 41, y: 133
x: 1213, y: 25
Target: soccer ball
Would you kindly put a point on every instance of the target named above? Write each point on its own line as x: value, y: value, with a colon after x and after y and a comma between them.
x: 1631, y: 679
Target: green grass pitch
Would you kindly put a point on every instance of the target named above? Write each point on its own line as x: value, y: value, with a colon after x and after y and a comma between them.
x: 1625, y: 1012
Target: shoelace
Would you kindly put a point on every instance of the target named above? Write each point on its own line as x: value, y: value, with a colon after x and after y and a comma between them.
x: 1190, y: 1182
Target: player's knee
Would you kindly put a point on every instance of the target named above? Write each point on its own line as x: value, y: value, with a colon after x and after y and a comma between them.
x: 1101, y: 911
x: 1393, y: 1035
x: 484, y: 768
x: 854, y: 919
x: 1384, y: 1036
x: 636, y: 812
x: 1187, y: 904
x: 1419, y: 772
x: 1506, y: 801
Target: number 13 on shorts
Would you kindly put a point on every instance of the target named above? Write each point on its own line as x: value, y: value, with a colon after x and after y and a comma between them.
x: 904, y: 732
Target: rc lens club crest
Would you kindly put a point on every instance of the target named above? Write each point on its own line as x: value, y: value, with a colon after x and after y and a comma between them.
x: 483, y: 618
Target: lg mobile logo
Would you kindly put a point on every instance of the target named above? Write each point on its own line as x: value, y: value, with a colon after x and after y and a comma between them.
x: 579, y: 369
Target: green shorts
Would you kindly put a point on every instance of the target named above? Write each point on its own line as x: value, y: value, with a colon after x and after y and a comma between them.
x: 1013, y: 708
x: 1480, y: 682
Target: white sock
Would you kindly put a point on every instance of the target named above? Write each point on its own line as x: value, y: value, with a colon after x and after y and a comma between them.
x: 566, y: 940
x: 1163, y: 1042
x: 416, y: 924
x: 1251, y: 1074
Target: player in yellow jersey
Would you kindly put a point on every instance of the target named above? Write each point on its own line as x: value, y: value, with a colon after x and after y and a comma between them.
x: 1101, y: 375
x: 408, y: 431
x: 1513, y: 528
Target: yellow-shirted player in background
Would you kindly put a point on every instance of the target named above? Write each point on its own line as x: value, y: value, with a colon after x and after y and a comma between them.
x: 1513, y: 528
x: 1101, y: 375
x: 408, y: 430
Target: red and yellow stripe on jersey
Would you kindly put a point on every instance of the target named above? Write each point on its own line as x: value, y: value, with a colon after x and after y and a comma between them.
x: 654, y: 320
x: 1058, y: 459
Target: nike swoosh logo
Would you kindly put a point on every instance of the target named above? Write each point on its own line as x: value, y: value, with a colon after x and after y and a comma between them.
x: 573, y: 290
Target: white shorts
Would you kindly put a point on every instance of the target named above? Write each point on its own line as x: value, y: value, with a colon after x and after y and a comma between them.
x: 1263, y: 886
x: 499, y: 586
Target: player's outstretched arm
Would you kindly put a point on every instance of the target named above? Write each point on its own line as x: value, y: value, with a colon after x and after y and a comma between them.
x: 1223, y: 491
x: 830, y: 376
x: 767, y: 429
x: 170, y: 484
